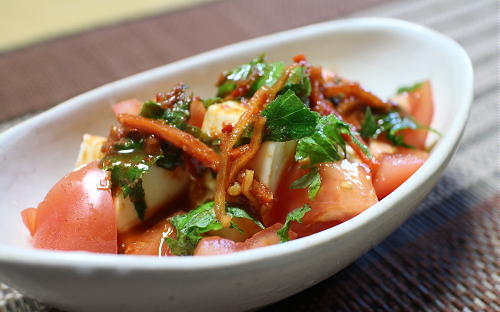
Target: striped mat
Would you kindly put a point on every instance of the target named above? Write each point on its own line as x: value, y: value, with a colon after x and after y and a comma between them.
x: 446, y: 256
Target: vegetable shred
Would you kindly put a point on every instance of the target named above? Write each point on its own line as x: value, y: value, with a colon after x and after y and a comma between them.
x: 282, y: 151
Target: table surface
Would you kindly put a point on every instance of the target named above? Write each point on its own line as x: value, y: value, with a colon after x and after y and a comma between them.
x: 444, y: 258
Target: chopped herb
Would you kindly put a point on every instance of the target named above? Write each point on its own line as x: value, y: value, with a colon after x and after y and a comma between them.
x: 270, y: 73
x: 127, y: 169
x: 294, y: 215
x: 263, y: 72
x: 172, y: 157
x: 298, y: 82
x: 411, y: 88
x: 192, y: 225
x: 226, y: 88
x: 327, y: 144
x: 151, y: 109
x: 311, y: 181
x: 178, y: 102
x: 193, y: 130
x: 369, y: 127
x: 389, y: 123
x: 127, y: 144
x: 211, y: 101
x: 288, y: 118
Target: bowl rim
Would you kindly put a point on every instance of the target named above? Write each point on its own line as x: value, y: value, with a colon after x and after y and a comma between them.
x: 442, y: 151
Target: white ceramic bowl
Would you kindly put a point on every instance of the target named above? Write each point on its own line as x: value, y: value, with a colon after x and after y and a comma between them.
x: 382, y: 54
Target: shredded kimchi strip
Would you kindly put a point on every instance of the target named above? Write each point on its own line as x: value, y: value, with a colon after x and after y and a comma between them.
x: 354, y: 89
x: 255, y: 143
x: 256, y: 103
x: 188, y: 143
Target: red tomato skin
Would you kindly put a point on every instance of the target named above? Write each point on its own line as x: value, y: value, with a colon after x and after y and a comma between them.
x: 131, y: 106
x: 396, y: 168
x: 421, y: 107
x: 215, y: 245
x: 29, y: 219
x: 346, y: 190
x: 197, y: 110
x: 78, y: 213
x: 146, y: 239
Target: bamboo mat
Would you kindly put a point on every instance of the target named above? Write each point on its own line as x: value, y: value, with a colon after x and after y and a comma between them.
x: 444, y: 258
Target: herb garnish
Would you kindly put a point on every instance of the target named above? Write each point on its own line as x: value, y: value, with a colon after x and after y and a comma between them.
x: 265, y: 74
x: 288, y: 118
x: 311, y: 181
x: 411, y: 88
x: 389, y: 123
x: 327, y: 144
x: 298, y: 81
x: 192, y: 225
x: 174, y: 107
x: 294, y: 215
x: 128, y: 166
x: 151, y: 109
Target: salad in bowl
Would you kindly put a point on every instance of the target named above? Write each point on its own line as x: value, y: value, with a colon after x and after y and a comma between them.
x: 281, y: 152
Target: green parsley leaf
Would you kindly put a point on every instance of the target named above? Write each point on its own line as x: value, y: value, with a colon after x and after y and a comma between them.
x: 298, y: 82
x: 225, y: 88
x: 270, y: 74
x: 288, y: 118
x: 127, y: 169
x: 311, y: 181
x: 326, y: 144
x: 294, y: 215
x: 151, y: 109
x: 192, y: 225
x: 263, y: 72
x: 172, y: 157
x: 389, y: 123
x: 411, y: 88
x: 369, y: 127
x: 177, y: 113
x: 211, y: 101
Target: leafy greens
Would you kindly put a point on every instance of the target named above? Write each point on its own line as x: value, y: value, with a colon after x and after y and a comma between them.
x: 294, y: 215
x: 192, y: 225
x: 389, y: 123
x: 311, y: 181
x: 263, y: 73
x: 127, y: 167
x: 288, y: 118
x: 327, y: 143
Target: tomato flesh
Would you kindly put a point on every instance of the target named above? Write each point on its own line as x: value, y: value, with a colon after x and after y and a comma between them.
x: 131, y: 106
x: 421, y: 108
x: 197, y: 111
x: 76, y: 214
x: 395, y: 168
x: 346, y: 190
x: 147, y: 239
x: 215, y: 245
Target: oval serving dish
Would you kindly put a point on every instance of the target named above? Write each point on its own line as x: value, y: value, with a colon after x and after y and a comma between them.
x: 382, y: 54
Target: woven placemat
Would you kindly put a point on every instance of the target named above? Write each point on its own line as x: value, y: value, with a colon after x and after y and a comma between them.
x: 444, y: 258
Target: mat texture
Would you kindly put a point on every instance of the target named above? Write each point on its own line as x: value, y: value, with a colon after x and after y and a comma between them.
x: 446, y: 257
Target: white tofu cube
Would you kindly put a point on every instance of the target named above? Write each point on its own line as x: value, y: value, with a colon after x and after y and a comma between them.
x: 271, y: 160
x: 220, y: 115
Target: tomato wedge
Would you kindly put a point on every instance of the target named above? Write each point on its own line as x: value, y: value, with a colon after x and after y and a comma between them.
x: 395, y: 168
x: 131, y: 106
x: 197, y: 111
x: 215, y: 245
x: 76, y: 214
x: 421, y: 108
x: 346, y: 190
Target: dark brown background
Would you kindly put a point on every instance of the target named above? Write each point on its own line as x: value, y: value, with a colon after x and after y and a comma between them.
x: 38, y: 77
